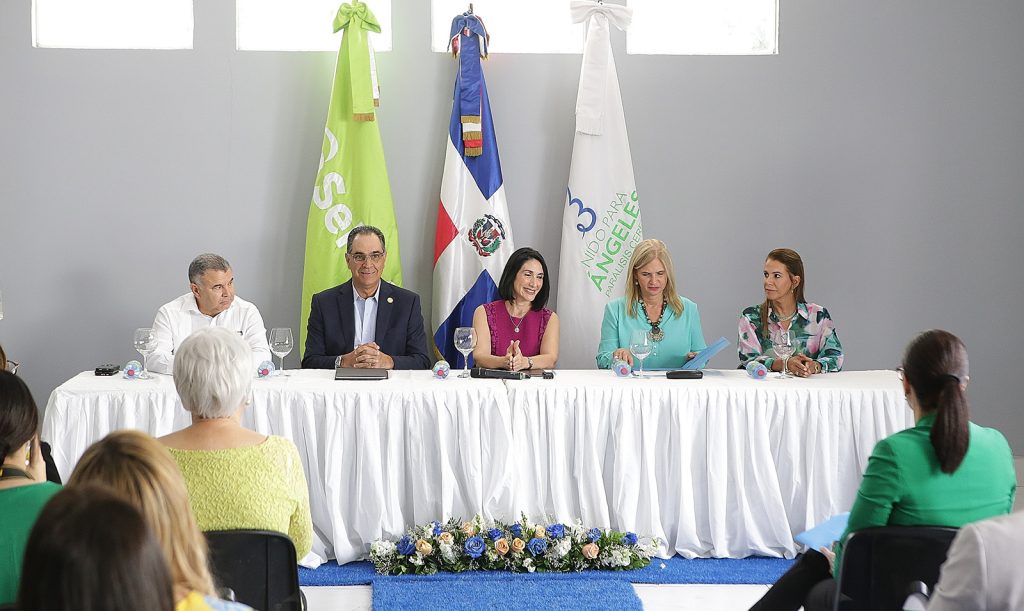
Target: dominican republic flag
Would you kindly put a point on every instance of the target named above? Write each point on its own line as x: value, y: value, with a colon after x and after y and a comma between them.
x: 474, y: 236
x: 601, y: 218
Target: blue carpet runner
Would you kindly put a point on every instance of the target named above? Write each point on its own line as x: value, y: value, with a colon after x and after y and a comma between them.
x: 503, y: 591
x: 753, y: 570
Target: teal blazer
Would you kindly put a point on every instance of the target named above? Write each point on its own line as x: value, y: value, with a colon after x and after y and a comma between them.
x: 682, y: 334
x: 904, y: 486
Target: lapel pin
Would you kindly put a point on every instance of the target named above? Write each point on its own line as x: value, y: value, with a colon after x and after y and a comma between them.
x: 391, y: 299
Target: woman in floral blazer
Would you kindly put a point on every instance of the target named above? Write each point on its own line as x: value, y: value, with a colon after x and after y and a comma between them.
x: 816, y: 345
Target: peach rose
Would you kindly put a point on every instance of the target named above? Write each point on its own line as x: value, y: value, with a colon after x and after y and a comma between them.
x: 590, y: 551
x: 423, y: 547
x: 446, y: 537
x: 539, y: 532
x: 501, y: 546
x: 518, y: 545
x: 468, y: 529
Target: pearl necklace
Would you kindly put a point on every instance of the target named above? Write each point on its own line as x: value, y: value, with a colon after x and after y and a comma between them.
x: 787, y: 318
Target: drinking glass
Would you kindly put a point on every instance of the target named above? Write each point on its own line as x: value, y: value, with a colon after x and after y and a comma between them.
x: 783, y: 344
x: 281, y: 344
x: 640, y: 345
x: 465, y: 341
x: 145, y: 344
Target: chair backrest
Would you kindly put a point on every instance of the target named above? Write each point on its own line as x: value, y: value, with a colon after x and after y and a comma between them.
x: 259, y: 565
x: 880, y: 563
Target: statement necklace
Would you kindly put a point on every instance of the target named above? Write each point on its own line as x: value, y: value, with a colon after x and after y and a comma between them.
x: 657, y: 333
x: 516, y: 324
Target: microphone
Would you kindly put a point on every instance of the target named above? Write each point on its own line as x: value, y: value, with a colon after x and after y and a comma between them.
x: 621, y: 368
x: 499, y: 374
x: 757, y: 370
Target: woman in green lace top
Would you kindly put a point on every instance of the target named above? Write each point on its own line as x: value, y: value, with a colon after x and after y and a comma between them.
x: 236, y: 478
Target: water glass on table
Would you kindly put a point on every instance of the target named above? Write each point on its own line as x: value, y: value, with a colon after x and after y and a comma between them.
x: 465, y: 341
x: 783, y: 343
x: 640, y: 345
x: 281, y: 343
x: 144, y: 341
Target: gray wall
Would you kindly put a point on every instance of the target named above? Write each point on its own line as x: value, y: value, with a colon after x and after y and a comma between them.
x: 885, y: 143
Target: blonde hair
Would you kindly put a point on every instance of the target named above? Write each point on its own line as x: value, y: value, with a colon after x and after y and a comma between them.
x: 140, y: 470
x: 644, y: 253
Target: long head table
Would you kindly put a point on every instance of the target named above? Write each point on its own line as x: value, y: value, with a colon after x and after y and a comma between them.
x: 724, y: 466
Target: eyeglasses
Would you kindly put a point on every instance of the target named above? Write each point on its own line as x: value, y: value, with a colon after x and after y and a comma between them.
x: 900, y: 374
x: 374, y: 256
x: 12, y: 366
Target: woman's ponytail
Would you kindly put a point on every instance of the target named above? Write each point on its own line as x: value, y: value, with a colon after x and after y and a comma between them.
x: 950, y: 435
x: 936, y: 368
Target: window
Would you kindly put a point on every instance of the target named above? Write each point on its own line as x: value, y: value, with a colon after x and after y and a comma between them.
x: 112, y: 24
x: 704, y: 27
x: 301, y: 25
x: 522, y: 26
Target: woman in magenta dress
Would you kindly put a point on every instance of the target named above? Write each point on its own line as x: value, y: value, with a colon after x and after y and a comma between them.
x: 517, y: 332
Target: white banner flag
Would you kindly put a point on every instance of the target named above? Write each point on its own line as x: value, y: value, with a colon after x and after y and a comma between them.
x: 601, y: 220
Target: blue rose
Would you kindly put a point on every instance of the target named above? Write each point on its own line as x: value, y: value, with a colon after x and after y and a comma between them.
x: 537, y: 546
x: 406, y: 546
x: 495, y: 534
x: 556, y: 531
x: 593, y: 535
x: 516, y: 530
x: 475, y: 546
x: 629, y: 539
x: 437, y: 529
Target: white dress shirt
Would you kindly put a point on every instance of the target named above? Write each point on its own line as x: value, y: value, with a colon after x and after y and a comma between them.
x: 366, y: 317
x: 178, y: 319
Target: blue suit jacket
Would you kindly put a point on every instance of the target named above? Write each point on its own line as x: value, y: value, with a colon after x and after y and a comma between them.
x: 331, y: 329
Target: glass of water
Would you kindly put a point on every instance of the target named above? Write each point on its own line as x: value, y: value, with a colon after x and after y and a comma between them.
x: 783, y: 344
x: 465, y: 341
x: 281, y: 343
x: 145, y: 343
x: 640, y: 345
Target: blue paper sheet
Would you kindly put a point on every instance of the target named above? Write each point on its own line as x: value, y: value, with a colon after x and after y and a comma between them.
x: 826, y: 533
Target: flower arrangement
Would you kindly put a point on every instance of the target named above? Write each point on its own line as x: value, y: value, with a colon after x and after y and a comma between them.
x: 521, y: 547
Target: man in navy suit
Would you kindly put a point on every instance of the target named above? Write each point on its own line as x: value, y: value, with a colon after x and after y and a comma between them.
x: 366, y: 322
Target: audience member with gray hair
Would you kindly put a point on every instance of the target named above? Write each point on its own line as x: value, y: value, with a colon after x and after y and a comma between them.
x: 236, y: 478
x: 210, y: 303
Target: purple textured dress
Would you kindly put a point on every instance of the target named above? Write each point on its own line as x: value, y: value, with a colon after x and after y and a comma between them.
x: 503, y: 331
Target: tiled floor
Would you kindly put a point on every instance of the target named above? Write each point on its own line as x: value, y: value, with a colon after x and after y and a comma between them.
x: 654, y: 597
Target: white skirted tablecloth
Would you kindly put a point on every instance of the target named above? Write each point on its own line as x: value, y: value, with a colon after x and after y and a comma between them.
x: 724, y: 466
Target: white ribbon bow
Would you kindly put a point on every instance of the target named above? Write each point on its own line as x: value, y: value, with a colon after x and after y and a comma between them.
x: 591, y: 98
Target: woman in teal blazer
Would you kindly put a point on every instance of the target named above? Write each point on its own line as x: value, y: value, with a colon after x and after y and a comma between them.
x: 945, y: 471
x: 651, y: 304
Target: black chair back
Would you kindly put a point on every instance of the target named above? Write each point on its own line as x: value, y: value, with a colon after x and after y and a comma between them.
x: 259, y: 565
x: 879, y: 564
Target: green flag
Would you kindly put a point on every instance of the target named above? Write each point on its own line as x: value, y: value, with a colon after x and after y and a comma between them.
x: 352, y: 186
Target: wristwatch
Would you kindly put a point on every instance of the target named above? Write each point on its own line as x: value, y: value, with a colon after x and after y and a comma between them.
x: 337, y: 362
x: 529, y: 361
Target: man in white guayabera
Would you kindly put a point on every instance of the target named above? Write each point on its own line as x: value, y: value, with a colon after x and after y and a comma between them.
x: 211, y: 303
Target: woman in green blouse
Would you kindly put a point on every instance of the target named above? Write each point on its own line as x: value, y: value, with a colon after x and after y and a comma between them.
x: 945, y: 471
x: 651, y: 304
x: 23, y: 486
